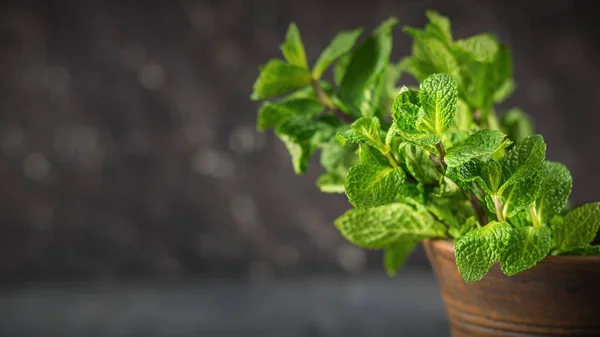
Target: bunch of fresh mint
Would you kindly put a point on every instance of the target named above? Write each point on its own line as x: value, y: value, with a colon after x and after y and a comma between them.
x: 428, y: 162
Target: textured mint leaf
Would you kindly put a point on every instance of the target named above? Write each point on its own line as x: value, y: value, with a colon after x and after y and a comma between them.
x: 298, y: 136
x: 438, y: 95
x: 523, y: 160
x: 430, y: 56
x: 419, y: 165
x: 439, y: 26
x: 334, y: 155
x: 293, y: 48
x: 468, y: 176
x: 478, y: 250
x: 578, y: 228
x: 367, y: 63
x: 371, y: 156
x: 373, y: 185
x: 278, y: 78
x: 271, y: 115
x: 332, y: 182
x: 365, y: 130
x: 584, y: 251
x: 555, y: 188
x: 480, y: 143
x: 521, y: 195
x: 340, y: 45
x: 382, y: 226
x: 480, y: 48
x: 517, y: 125
x: 395, y: 255
x: 526, y: 247
x: 491, y: 173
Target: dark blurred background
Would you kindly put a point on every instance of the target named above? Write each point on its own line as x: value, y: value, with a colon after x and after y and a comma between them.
x: 129, y: 157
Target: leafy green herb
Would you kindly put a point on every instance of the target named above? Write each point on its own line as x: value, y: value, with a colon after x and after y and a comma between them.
x: 425, y: 162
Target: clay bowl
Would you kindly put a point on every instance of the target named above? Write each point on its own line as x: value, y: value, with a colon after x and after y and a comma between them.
x: 560, y: 296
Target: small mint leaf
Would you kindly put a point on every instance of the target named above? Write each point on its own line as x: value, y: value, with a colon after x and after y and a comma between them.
x: 340, y: 45
x: 492, y: 175
x: 468, y: 176
x: 365, y: 130
x: 478, y: 250
x: 396, y: 254
x: 522, y: 194
x: 297, y: 134
x: 480, y: 48
x: 526, y: 247
x: 430, y: 56
x: 293, y: 48
x: 382, y: 226
x: 272, y: 115
x: 438, y: 96
x: 373, y: 185
x: 480, y: 143
x: 419, y: 165
x: 278, y: 78
x: 554, y: 191
x: 523, y: 160
x: 578, y: 228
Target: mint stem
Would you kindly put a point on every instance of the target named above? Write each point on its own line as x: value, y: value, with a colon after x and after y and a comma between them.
x: 498, y: 205
x: 534, y: 217
x: 326, y: 100
x: 483, y: 220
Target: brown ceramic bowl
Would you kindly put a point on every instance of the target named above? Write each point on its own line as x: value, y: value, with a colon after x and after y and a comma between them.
x: 560, y: 296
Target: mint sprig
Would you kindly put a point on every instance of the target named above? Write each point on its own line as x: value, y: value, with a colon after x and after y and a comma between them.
x: 436, y: 161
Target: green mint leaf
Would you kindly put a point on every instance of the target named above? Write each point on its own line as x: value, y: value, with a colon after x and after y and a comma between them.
x: 391, y: 75
x: 297, y: 134
x: 419, y: 165
x: 468, y: 176
x: 334, y: 155
x: 332, y: 182
x: 459, y: 231
x: 554, y: 191
x: 392, y: 133
x: 430, y: 55
x: 368, y: 155
x: 517, y: 125
x: 481, y: 48
x: 481, y: 143
x: 272, y: 115
x: 382, y: 226
x: 438, y: 96
x: 365, y: 130
x: 478, y: 250
x: 395, y: 255
x: 526, y: 247
x: 278, y: 78
x: 523, y: 160
x: 373, y: 185
x: 439, y: 26
x: 339, y: 68
x: 522, y: 194
x: 367, y: 63
x: 340, y: 45
x: 463, y: 119
x: 584, y: 251
x: 492, y: 176
x: 293, y: 48
x: 578, y: 228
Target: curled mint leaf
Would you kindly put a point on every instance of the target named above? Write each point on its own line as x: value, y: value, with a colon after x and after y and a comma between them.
x: 366, y: 130
x: 396, y: 254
